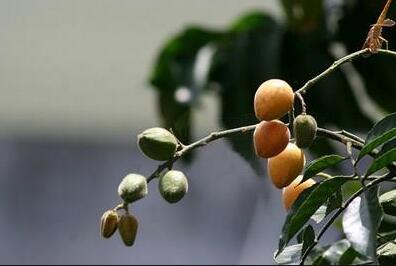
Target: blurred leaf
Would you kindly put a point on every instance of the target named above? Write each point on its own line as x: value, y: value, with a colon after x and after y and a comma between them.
x: 320, y: 164
x: 246, y: 57
x: 337, y: 250
x: 289, y: 256
x: 303, y: 15
x: 382, y: 161
x: 387, y: 253
x: 333, y: 203
x: 361, y: 221
x: 173, y: 75
x: 306, y: 205
x: 376, y: 71
x: 381, y: 132
x: 304, y: 57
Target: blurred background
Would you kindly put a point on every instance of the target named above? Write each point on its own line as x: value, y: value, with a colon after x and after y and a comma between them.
x: 80, y: 79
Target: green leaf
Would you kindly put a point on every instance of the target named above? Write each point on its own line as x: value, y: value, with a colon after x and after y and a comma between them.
x: 290, y: 255
x: 342, y: 253
x: 321, y: 164
x: 361, y: 221
x: 308, y: 238
x: 333, y: 203
x: 306, y: 205
x: 383, y: 131
x: 388, y: 202
x: 382, y: 161
x: 387, y: 253
x: 340, y: 249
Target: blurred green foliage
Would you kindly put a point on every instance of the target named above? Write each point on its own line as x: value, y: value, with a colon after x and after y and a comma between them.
x: 258, y: 47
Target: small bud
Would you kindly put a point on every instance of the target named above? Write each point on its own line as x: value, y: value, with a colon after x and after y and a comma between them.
x: 127, y: 226
x: 304, y: 130
x: 108, y: 223
x: 157, y: 143
x: 173, y: 186
x: 132, y: 188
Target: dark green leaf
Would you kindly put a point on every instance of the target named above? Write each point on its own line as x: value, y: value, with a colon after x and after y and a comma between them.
x: 308, y: 238
x: 387, y: 146
x: 361, y: 221
x: 387, y: 253
x: 321, y: 164
x: 382, y: 161
x: 247, y: 56
x: 289, y: 256
x: 333, y: 203
x: 383, y: 131
x: 306, y: 205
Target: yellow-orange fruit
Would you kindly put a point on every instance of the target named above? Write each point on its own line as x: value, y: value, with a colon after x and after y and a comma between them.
x: 292, y: 191
x: 286, y: 166
x: 273, y: 99
x: 270, y: 138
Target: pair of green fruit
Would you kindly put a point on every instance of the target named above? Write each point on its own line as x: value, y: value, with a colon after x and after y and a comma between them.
x: 173, y: 185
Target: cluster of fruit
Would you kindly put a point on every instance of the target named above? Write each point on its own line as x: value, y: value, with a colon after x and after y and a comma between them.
x: 158, y: 144
x: 286, y: 159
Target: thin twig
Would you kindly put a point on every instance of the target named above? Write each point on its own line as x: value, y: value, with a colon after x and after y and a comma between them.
x: 303, y: 104
x: 337, y: 64
x: 200, y: 143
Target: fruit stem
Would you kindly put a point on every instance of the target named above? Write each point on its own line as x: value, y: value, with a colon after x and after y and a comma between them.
x: 337, y: 64
x: 303, y: 104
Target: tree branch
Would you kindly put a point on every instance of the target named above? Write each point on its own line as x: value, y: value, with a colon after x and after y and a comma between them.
x: 337, y: 64
x: 200, y: 143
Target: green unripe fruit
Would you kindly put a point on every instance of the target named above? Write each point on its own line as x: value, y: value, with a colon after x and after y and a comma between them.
x: 157, y: 143
x: 173, y: 186
x: 109, y: 223
x: 127, y: 226
x: 132, y: 188
x: 304, y: 130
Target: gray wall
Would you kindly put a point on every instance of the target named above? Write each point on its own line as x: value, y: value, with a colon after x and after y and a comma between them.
x: 73, y: 97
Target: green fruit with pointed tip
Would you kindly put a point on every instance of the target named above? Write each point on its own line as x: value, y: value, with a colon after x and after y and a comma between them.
x: 108, y: 224
x: 157, y: 143
x: 132, y: 188
x: 173, y: 186
x: 127, y: 226
x: 305, y: 128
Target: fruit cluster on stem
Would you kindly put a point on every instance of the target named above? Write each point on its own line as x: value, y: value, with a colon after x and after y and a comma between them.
x: 273, y: 142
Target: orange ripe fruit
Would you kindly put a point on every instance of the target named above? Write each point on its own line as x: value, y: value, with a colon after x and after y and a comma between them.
x: 292, y: 191
x: 286, y: 166
x: 270, y: 138
x: 273, y: 99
